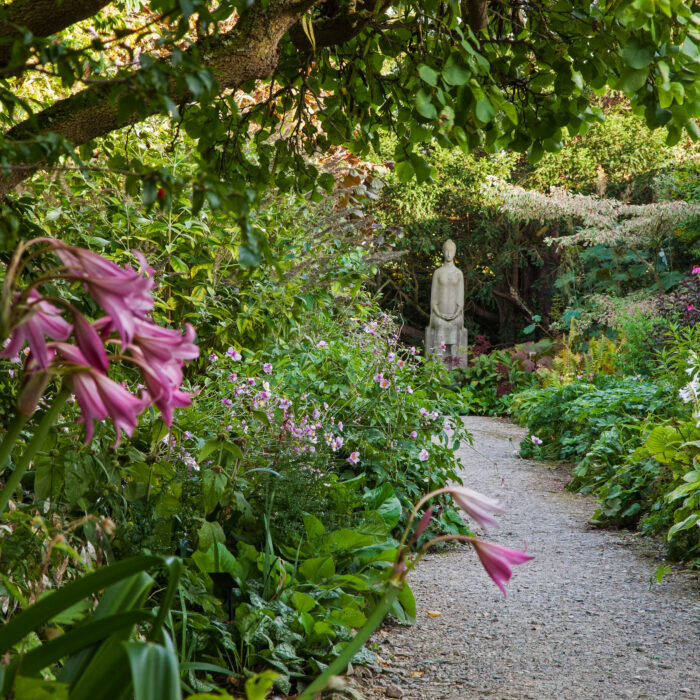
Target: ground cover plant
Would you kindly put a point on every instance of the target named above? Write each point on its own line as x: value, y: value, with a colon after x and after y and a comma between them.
x: 240, y: 543
x: 631, y: 438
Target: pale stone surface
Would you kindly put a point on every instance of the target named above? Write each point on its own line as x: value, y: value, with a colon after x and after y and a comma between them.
x: 446, y: 335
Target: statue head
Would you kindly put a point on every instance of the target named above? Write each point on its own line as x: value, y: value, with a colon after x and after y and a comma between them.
x: 449, y: 249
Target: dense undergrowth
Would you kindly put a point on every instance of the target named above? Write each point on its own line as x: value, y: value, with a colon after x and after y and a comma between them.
x: 282, y: 489
x: 624, y: 412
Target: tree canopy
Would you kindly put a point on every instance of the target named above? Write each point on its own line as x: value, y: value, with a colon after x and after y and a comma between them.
x: 262, y: 85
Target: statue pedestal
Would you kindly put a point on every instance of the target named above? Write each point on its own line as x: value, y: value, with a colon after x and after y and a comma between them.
x: 454, y: 356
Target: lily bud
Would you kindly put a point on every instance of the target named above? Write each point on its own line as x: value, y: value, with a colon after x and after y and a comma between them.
x: 32, y: 391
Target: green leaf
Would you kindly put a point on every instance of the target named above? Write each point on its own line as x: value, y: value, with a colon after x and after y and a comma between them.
x: 683, y: 525
x: 256, y: 687
x: 632, y: 80
x: 428, y: 74
x: 208, y: 534
x: 424, y: 105
x: 484, y: 110
x: 637, y: 56
x: 39, y: 689
x: 154, y: 671
x: 317, y: 569
x: 408, y: 602
x: 303, y: 602
x: 455, y: 72
x: 313, y: 526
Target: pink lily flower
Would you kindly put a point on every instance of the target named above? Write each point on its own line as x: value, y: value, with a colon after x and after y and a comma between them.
x: 162, y: 381
x: 160, y: 344
x: 99, y: 396
x: 476, y: 505
x: 89, y: 342
x: 498, y: 560
x: 122, y: 292
x: 42, y: 318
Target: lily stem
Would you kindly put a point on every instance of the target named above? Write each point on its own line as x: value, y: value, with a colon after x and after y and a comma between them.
x: 11, y: 437
x: 42, y: 430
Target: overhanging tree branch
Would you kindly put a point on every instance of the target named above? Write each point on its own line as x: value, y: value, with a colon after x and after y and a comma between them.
x: 250, y: 51
x: 42, y: 18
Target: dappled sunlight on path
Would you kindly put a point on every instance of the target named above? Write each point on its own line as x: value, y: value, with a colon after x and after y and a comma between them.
x: 580, y: 621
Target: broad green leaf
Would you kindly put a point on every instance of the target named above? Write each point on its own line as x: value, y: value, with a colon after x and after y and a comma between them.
x: 484, y: 110
x: 256, y: 688
x: 154, y: 671
x: 303, y: 602
x: 313, y: 526
x: 424, y: 105
x: 455, y: 72
x: 317, y: 569
x: 39, y: 689
x: 428, y: 74
x: 637, y: 56
x: 632, y: 80
x: 691, y: 520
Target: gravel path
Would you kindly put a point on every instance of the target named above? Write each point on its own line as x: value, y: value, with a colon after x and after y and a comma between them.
x: 580, y: 621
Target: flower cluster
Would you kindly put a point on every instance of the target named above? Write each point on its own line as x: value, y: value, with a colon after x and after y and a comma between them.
x: 127, y: 330
x: 600, y: 221
x: 496, y: 560
x: 690, y: 393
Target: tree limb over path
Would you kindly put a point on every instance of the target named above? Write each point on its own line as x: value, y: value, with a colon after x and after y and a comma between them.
x: 475, y: 74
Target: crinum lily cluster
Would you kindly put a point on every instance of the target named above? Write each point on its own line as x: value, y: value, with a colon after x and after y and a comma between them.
x: 126, y: 333
x: 496, y: 560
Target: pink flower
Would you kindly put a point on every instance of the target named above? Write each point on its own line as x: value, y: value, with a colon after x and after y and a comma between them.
x: 390, y: 357
x: 234, y: 354
x: 354, y: 457
x: 39, y: 319
x: 384, y: 383
x: 408, y: 389
x: 267, y: 368
x: 122, y: 292
x: 476, y: 505
x: 340, y: 425
x: 413, y: 350
x: 316, y: 414
x: 232, y: 377
x: 378, y: 377
x: 98, y: 396
x: 89, y: 342
x: 213, y: 357
x: 695, y: 270
x: 163, y: 345
x: 423, y: 523
x: 227, y: 402
x: 322, y: 344
x: 498, y: 560
x: 413, y: 434
x: 285, y: 404
x: 690, y: 307
x: 400, y: 363
x: 251, y: 381
x: 423, y: 455
x: 424, y: 412
x: 535, y: 440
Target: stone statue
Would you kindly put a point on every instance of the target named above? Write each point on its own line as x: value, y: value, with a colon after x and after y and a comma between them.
x: 446, y: 335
